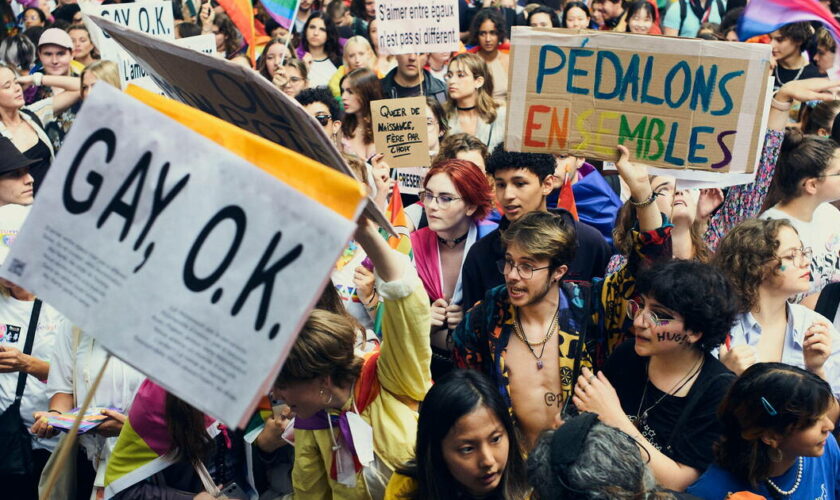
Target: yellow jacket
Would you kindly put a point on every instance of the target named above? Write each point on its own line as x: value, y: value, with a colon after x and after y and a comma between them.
x: 404, y: 375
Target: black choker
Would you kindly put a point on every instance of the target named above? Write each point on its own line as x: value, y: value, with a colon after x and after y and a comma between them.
x: 465, y: 109
x: 452, y: 243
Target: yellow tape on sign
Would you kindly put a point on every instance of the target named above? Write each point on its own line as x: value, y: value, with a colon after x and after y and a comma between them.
x: 327, y: 186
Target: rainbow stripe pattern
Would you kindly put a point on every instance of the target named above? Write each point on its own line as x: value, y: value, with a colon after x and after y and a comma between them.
x: 765, y: 16
x: 283, y: 11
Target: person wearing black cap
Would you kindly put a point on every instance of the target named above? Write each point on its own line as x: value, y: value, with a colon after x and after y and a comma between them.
x: 585, y: 459
x: 16, y: 183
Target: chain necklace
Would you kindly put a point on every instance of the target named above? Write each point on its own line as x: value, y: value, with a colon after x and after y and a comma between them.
x: 795, y: 483
x: 779, y: 79
x: 552, y: 328
x: 641, y: 417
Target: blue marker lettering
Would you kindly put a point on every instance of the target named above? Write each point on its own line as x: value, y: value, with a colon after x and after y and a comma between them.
x: 648, y: 75
x: 573, y: 72
x: 727, y: 99
x: 631, y: 77
x: 681, y: 66
x: 694, y: 146
x: 703, y: 88
x: 672, y: 140
x: 543, y: 71
x: 599, y: 74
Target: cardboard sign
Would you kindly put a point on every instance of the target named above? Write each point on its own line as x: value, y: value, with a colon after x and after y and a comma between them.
x: 399, y: 131
x: 184, y: 259
x: 235, y: 94
x: 153, y: 17
x: 676, y: 103
x: 407, y: 27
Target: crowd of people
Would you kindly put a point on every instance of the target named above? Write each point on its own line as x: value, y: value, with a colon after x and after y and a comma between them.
x: 646, y: 340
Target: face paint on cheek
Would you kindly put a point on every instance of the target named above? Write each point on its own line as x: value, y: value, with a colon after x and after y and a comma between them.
x: 783, y: 268
x: 679, y: 338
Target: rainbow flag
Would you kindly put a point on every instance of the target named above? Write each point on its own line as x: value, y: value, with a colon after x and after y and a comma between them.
x: 765, y: 16
x: 241, y: 12
x: 283, y: 11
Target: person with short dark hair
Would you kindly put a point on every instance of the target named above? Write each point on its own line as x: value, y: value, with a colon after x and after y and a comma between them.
x: 664, y: 386
x: 411, y: 79
x: 576, y: 16
x: 533, y: 334
x: 523, y: 182
x: 612, y: 11
x: 543, y: 17
x: 467, y: 446
x: 322, y: 106
x: 788, y: 42
x: 777, y: 439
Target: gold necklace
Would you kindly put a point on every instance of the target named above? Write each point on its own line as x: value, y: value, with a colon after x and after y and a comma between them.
x: 552, y: 327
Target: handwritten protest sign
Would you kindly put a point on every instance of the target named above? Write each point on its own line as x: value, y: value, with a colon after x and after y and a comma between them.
x: 235, y: 94
x: 195, y: 260
x: 399, y: 131
x: 410, y: 179
x: 675, y: 103
x: 413, y: 27
x: 153, y: 17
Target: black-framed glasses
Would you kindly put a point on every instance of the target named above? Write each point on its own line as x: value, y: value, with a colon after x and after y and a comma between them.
x: 443, y: 200
x: 323, y: 119
x: 525, y: 271
x: 634, y: 309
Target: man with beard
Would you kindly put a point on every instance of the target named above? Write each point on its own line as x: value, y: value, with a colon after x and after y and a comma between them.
x: 512, y: 333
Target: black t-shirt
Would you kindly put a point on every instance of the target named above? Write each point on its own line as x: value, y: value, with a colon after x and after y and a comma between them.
x: 689, y: 442
x: 783, y: 76
x: 38, y: 170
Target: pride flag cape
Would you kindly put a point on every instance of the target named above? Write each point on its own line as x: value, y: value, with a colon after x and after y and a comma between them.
x: 765, y: 16
x: 144, y: 446
x: 282, y: 11
x: 241, y: 12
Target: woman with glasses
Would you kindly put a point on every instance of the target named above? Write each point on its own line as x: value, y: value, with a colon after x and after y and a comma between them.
x: 664, y: 386
x: 807, y: 180
x: 767, y: 264
x: 456, y: 198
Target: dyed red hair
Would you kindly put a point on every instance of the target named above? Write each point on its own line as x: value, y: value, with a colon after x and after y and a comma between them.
x: 470, y: 182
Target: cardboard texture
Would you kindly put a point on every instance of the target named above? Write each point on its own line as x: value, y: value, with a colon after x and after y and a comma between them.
x: 674, y: 103
x: 235, y: 94
x: 399, y: 131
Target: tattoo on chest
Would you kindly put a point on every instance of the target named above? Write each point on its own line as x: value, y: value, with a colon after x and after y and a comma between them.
x: 553, y: 399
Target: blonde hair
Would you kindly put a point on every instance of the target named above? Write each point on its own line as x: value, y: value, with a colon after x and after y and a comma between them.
x: 324, y: 347
x: 360, y: 40
x: 106, y: 71
x: 484, y: 102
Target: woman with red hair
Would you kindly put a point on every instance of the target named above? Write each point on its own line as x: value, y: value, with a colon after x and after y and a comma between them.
x: 457, y: 199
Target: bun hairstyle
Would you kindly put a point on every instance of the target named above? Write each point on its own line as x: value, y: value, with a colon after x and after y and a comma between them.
x: 802, y: 157
x: 816, y: 115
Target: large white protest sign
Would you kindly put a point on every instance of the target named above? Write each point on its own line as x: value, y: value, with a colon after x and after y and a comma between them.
x: 407, y: 26
x: 183, y: 259
x: 153, y: 17
x: 236, y: 94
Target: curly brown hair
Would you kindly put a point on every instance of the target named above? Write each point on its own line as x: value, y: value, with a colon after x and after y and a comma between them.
x: 745, y: 256
x: 323, y: 347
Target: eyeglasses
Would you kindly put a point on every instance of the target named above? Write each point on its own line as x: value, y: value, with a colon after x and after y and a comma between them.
x: 835, y: 174
x: 323, y: 119
x: 443, y: 200
x: 634, y: 309
x: 525, y: 271
x: 799, y: 256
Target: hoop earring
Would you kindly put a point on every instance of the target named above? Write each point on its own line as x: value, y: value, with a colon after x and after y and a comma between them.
x: 329, y: 400
x: 775, y: 455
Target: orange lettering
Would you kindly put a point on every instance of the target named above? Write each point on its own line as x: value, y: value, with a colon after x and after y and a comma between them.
x: 531, y: 125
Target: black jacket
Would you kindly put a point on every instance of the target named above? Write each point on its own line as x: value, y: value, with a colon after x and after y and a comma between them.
x: 432, y: 87
x: 480, y: 272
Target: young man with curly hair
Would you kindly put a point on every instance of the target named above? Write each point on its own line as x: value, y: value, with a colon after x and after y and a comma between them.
x: 532, y: 334
x: 788, y: 42
x: 523, y: 182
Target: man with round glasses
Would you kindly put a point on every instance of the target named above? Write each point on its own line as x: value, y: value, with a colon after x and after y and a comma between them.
x: 534, y: 333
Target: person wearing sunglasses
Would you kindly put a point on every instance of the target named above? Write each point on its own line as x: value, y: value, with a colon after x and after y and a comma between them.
x: 321, y: 105
x: 533, y: 334
x: 456, y: 199
x: 768, y: 265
